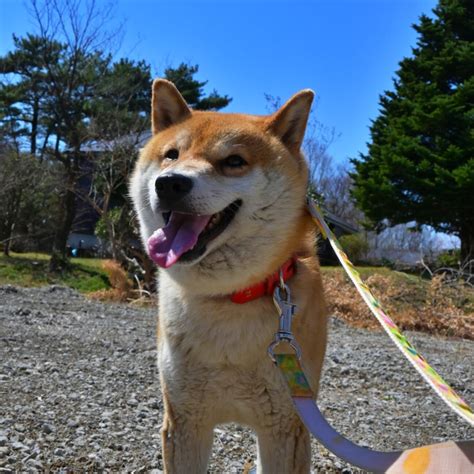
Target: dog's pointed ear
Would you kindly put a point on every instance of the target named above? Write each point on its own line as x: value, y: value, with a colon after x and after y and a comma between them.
x: 289, y: 122
x: 168, y: 106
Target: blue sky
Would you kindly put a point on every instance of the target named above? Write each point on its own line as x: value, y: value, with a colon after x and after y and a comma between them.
x: 346, y: 50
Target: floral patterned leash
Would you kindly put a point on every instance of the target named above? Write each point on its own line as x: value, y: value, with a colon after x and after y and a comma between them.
x: 445, y: 392
x: 441, y: 458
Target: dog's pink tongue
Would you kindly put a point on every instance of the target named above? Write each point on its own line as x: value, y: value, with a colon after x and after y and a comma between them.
x: 181, y: 233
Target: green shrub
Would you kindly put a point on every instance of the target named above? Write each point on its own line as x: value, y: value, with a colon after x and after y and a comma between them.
x: 449, y: 258
x: 355, y: 246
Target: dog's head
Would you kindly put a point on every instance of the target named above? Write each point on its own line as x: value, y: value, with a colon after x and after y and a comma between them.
x: 220, y: 193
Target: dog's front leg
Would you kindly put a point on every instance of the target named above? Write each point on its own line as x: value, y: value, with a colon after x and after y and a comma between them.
x: 186, y: 445
x: 284, y: 449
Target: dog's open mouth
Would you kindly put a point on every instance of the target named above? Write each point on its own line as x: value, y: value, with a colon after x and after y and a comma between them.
x: 185, y: 236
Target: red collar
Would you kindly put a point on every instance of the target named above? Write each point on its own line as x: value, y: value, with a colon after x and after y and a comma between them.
x: 267, y: 286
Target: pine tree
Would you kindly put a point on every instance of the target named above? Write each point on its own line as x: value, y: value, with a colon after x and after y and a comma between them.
x: 54, y: 101
x: 420, y: 161
x: 192, y: 89
x: 22, y: 101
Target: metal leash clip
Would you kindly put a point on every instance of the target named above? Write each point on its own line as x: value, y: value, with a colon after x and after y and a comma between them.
x: 286, y: 310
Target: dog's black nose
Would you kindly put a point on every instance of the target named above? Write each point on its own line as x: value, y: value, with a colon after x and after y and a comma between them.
x: 172, y: 187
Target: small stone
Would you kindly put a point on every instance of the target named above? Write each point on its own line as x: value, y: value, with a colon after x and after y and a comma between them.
x: 29, y: 442
x: 18, y: 445
x: 59, y: 452
x: 154, y: 405
x: 132, y: 402
x: 35, y: 463
x: 72, y: 424
x: 23, y: 366
x: 32, y: 455
x: 3, y: 440
x: 4, y: 450
x: 47, y: 428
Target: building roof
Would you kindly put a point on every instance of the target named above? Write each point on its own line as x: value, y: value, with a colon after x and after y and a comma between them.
x: 337, y: 221
x: 137, y: 140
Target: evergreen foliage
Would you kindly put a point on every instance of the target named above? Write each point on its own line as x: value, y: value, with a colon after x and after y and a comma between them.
x: 58, y: 100
x: 192, y: 89
x: 420, y: 161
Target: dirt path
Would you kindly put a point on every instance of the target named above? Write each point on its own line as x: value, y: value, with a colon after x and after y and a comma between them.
x: 79, y: 389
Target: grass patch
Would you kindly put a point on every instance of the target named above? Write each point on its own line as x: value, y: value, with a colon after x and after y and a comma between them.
x: 413, y: 302
x: 31, y: 269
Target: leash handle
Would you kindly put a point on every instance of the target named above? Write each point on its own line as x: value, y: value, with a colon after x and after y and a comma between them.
x: 436, y: 382
x: 433, y: 459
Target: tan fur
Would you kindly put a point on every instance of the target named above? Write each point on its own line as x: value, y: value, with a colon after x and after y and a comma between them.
x: 212, y: 352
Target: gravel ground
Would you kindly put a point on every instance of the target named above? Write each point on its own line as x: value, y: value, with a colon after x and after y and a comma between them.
x: 79, y: 389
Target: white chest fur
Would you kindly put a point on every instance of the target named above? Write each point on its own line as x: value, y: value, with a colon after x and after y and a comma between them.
x: 215, y: 329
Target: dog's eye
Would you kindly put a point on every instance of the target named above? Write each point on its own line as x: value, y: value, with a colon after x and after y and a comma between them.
x: 172, y: 154
x: 234, y: 161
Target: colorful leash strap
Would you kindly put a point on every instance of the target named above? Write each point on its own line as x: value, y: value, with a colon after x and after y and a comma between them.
x: 441, y: 458
x: 445, y: 392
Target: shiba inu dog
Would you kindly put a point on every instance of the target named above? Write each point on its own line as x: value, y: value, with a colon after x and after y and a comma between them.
x: 221, y: 204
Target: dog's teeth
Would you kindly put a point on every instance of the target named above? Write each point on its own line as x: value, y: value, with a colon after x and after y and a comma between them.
x: 214, y: 220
